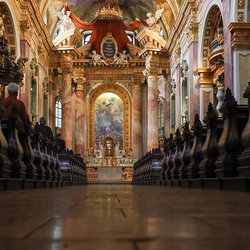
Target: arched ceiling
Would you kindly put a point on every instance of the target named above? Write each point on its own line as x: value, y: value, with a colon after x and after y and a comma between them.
x: 133, y: 9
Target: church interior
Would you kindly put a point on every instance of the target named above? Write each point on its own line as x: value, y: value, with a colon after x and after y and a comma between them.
x: 151, y: 100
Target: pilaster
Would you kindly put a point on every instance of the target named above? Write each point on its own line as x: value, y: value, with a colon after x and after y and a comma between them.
x: 137, y: 118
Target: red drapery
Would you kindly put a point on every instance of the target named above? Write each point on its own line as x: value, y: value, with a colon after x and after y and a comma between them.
x: 102, y: 27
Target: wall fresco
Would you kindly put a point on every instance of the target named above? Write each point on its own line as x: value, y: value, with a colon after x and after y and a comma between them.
x: 108, y: 117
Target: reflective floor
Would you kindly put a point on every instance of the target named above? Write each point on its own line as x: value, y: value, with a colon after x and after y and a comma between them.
x: 124, y: 217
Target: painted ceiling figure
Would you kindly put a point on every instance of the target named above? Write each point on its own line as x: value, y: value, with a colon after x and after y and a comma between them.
x: 107, y: 20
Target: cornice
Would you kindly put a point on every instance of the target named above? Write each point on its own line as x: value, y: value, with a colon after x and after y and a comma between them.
x: 181, y: 22
x: 29, y: 11
x: 240, y: 35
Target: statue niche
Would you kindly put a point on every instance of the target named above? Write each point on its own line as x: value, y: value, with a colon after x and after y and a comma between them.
x: 109, y: 146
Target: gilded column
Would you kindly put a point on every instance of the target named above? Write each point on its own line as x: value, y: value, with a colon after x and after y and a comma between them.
x: 152, y: 79
x: 66, y: 108
x: 137, y: 119
x: 80, y: 132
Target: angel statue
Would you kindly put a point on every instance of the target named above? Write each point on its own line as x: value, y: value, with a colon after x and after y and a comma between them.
x: 96, y: 58
x: 122, y: 58
x: 152, y: 20
x: 65, y: 22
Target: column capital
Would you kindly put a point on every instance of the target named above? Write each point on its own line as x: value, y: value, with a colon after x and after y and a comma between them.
x: 152, y: 72
x: 80, y: 83
x: 137, y: 82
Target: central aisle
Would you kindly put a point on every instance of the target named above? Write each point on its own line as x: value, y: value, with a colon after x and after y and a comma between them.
x: 124, y: 217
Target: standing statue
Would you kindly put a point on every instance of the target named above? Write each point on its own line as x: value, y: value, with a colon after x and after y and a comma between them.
x: 96, y: 58
x: 65, y: 22
x: 2, y: 25
x: 152, y: 20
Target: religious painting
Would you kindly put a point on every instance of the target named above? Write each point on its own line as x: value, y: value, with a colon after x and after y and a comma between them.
x: 108, y: 118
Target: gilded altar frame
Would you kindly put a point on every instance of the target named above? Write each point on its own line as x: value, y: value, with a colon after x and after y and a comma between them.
x: 119, y: 90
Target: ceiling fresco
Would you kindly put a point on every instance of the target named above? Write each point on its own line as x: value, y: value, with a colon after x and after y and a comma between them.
x: 124, y: 4
x: 83, y: 9
x: 133, y: 9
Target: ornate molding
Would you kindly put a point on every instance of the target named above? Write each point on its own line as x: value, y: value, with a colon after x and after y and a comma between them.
x: 205, y: 77
x: 152, y: 72
x: 240, y: 35
x: 137, y: 82
x: 191, y: 31
x: 26, y: 29
x: 80, y: 83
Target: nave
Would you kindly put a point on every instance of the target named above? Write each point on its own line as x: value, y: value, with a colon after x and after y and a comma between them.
x: 124, y: 217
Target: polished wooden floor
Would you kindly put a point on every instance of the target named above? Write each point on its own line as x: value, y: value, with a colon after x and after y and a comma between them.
x: 124, y: 217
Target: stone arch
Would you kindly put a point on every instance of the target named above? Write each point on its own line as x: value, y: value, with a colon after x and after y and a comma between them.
x: 118, y: 89
x: 212, y: 7
x: 10, y: 26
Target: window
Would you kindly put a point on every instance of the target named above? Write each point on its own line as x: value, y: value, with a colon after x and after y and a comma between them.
x: 86, y: 39
x: 161, y: 33
x: 58, y: 114
x: 131, y: 36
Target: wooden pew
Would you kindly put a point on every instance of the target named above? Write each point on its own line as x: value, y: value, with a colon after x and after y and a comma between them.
x: 185, y: 156
x: 244, y: 158
x: 200, y: 133
x: 177, y: 159
x: 210, y: 150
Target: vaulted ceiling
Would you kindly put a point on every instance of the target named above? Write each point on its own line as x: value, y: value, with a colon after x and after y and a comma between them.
x: 133, y: 9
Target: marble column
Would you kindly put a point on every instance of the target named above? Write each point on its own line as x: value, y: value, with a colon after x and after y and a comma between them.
x: 178, y: 97
x: 194, y: 95
x: 66, y: 108
x: 167, y: 110
x: 80, y: 133
x: 152, y: 79
x: 144, y: 118
x: 227, y: 40
x: 137, y: 119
